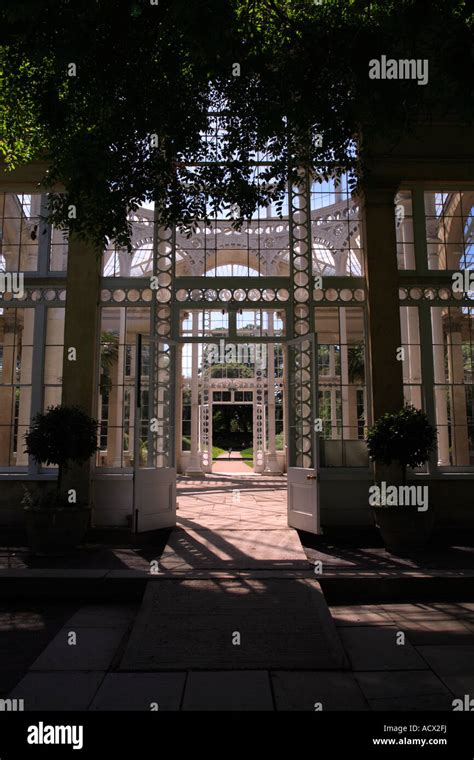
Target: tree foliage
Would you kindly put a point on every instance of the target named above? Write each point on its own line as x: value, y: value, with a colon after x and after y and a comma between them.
x: 405, y: 437
x: 62, y: 436
x: 168, y: 70
x: 231, y: 370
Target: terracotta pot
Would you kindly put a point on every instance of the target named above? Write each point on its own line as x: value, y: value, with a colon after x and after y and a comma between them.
x: 57, y: 531
x: 403, y: 528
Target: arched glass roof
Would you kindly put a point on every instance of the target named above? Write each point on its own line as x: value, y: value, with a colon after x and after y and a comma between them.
x: 232, y: 270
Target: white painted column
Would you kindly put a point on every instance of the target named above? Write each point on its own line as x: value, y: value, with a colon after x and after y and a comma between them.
x: 7, y: 391
x: 24, y: 410
x: 404, y: 335
x: 459, y: 431
x: 115, y: 430
x: 440, y: 390
x: 285, y: 410
x: 439, y: 370
x: 271, y: 462
x: 194, y: 468
x: 346, y: 433
x: 333, y: 391
x: 405, y: 232
x: 412, y: 371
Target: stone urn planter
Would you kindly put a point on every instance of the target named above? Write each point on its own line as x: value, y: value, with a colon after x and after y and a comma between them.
x: 64, y: 436
x: 404, y: 529
x: 396, y: 442
x: 56, y: 531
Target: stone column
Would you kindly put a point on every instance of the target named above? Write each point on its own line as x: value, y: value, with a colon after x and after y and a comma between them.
x: 383, y: 300
x: 194, y: 468
x: 81, y: 333
x: 383, y: 305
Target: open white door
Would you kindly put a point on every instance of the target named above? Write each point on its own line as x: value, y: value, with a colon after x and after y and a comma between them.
x: 301, y: 398
x: 154, y: 483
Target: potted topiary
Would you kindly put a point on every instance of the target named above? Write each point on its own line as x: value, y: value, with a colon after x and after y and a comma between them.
x: 402, y: 512
x: 64, y: 436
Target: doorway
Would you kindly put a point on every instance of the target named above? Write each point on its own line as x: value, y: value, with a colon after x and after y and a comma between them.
x: 231, y: 397
x: 232, y: 426
x: 170, y: 392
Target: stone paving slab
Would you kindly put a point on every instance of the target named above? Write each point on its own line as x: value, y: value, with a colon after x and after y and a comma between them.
x: 191, y: 625
x: 103, y: 616
x: 464, y: 610
x: 138, y: 691
x: 94, y: 650
x: 433, y: 630
x: 300, y: 691
x: 224, y: 691
x: 460, y: 685
x: 376, y: 648
x: 363, y: 615
x: 409, y: 684
x: 57, y: 691
x: 455, y: 660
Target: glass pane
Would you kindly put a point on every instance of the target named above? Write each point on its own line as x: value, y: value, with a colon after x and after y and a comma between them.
x: 16, y: 359
x: 453, y: 354
x: 450, y: 229
x: 20, y: 232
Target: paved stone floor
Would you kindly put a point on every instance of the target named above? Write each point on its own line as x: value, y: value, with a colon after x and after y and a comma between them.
x: 235, y: 619
x: 434, y: 666
x: 230, y: 523
x: 232, y: 501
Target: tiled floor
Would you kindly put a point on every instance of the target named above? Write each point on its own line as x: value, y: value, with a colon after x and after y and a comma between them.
x: 426, y: 667
x: 235, y: 502
x: 385, y: 675
x: 228, y: 568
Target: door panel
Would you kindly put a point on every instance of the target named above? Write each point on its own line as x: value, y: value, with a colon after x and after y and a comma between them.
x: 155, y: 498
x: 154, y: 489
x: 303, y: 477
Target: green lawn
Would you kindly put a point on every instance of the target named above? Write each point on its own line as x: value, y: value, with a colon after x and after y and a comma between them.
x: 216, y: 451
x: 247, y: 455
